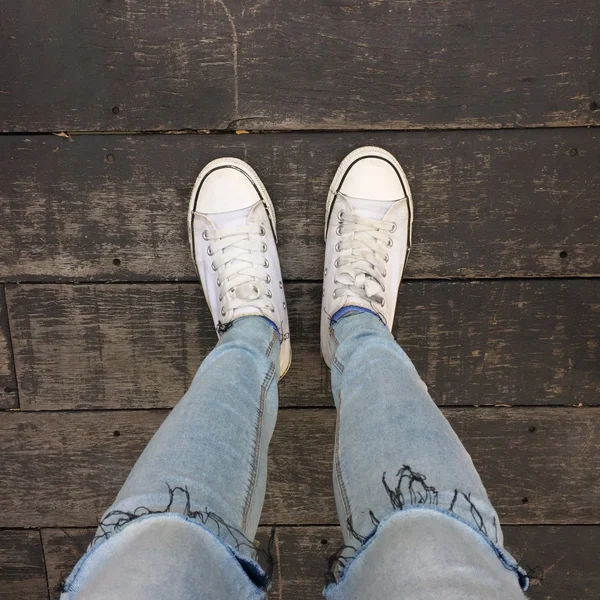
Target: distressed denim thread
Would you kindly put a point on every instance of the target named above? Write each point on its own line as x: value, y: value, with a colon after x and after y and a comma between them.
x: 427, y: 497
x: 509, y: 564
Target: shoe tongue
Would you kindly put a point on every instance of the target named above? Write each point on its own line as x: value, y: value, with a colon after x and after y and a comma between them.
x: 234, y: 218
x: 373, y: 209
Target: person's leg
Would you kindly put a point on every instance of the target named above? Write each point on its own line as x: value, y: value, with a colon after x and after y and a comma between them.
x: 210, y: 454
x: 415, y: 516
x: 412, y: 455
x: 185, y: 520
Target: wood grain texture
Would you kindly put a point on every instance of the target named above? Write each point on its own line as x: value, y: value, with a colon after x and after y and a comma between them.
x: 22, y: 574
x: 475, y: 343
x: 64, y: 469
x: 564, y: 557
x: 62, y: 549
x: 297, y: 65
x: 493, y: 204
x: 8, y: 382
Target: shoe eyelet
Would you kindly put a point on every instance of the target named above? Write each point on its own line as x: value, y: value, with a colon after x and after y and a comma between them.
x: 386, y: 258
x: 336, y: 264
x: 268, y: 280
x: 205, y: 235
x: 269, y: 294
x: 262, y: 230
x: 325, y: 273
x: 218, y: 282
x: 390, y: 243
x: 281, y: 285
x: 341, y: 215
x: 266, y: 264
x: 284, y: 306
x: 334, y: 294
x: 385, y: 275
x: 264, y: 247
x: 220, y: 298
x: 272, y: 309
x: 212, y: 266
x: 209, y: 251
x: 338, y: 230
x: 394, y: 227
x: 337, y: 247
x: 383, y: 301
x: 223, y: 311
x: 383, y: 287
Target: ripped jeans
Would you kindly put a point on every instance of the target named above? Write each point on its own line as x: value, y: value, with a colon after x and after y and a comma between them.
x: 416, y: 519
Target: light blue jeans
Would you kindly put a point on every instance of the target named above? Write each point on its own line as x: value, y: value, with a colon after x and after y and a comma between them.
x: 416, y: 519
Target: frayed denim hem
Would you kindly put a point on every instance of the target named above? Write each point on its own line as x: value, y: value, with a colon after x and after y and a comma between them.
x: 508, y: 562
x: 255, y: 573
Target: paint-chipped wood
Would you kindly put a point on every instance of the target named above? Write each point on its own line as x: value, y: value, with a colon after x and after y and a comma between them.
x: 564, y: 558
x: 63, y: 469
x: 22, y: 575
x: 228, y: 64
x: 505, y: 203
x: 475, y: 343
x: 8, y: 382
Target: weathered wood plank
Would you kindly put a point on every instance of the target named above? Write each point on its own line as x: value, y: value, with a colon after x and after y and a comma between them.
x: 565, y: 558
x: 296, y: 65
x: 22, y: 574
x: 63, y: 469
x: 507, y: 203
x: 8, y: 382
x: 513, y: 342
x: 62, y: 549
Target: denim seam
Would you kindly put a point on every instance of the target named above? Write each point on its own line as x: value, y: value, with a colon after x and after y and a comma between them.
x: 337, y: 364
x: 507, y: 561
x: 338, y: 465
x: 272, y: 343
x: 333, y: 337
x: 257, y: 443
x: 71, y: 581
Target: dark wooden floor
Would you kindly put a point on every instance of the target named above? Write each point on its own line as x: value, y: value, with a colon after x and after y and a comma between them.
x: 493, y: 108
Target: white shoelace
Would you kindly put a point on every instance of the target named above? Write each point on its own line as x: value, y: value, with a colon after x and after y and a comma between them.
x: 361, y: 272
x: 238, y: 259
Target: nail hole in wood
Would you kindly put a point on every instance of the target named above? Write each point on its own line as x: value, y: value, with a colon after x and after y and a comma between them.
x: 563, y: 254
x: 573, y: 152
x: 532, y: 429
x: 110, y: 158
x: 8, y: 390
x: 116, y: 433
x: 117, y: 262
x: 525, y: 500
x: 324, y: 542
x: 593, y: 106
x: 115, y: 110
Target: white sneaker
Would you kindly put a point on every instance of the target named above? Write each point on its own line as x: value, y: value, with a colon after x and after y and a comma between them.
x: 231, y: 227
x: 368, y: 227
